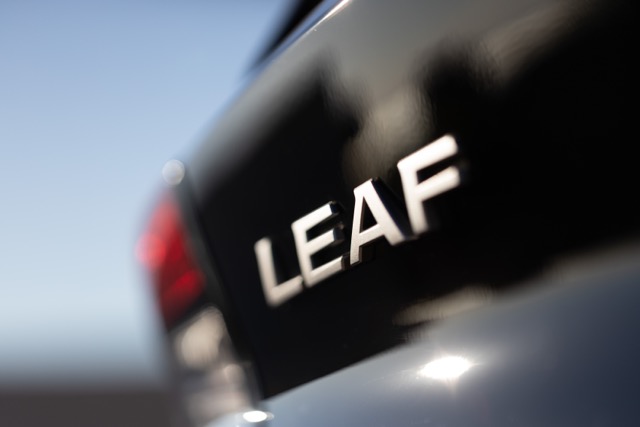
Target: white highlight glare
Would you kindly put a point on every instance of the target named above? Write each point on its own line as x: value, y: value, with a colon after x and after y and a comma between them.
x: 446, y: 368
x: 335, y: 10
x: 255, y: 416
x: 173, y: 172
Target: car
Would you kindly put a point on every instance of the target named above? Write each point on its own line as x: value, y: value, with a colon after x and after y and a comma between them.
x: 415, y: 213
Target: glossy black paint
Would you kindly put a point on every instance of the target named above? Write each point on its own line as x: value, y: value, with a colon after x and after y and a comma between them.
x: 538, y: 95
x: 562, y: 353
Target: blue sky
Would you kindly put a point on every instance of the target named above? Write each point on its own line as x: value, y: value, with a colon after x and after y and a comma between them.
x: 95, y: 96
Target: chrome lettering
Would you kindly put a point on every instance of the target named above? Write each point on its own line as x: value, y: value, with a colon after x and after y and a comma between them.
x: 305, y: 248
x: 415, y: 193
x: 391, y: 224
x: 386, y: 226
x: 275, y: 293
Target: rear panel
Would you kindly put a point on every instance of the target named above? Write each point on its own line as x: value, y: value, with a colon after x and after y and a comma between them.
x: 537, y: 96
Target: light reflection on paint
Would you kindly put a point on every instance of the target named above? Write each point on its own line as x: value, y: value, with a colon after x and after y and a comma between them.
x: 446, y: 368
x: 466, y: 299
x: 335, y: 10
x: 198, y: 345
x: 173, y: 172
x: 256, y: 416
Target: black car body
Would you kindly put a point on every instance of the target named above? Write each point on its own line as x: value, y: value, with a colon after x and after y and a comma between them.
x: 514, y: 305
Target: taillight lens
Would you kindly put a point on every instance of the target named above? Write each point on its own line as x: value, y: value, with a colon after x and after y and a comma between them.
x: 164, y: 251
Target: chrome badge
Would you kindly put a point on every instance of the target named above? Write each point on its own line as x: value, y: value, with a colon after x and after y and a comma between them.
x: 390, y: 222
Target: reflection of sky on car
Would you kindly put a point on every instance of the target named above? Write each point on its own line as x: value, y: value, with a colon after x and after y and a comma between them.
x: 94, y: 98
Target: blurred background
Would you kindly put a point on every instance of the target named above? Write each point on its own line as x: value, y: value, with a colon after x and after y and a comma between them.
x: 94, y: 98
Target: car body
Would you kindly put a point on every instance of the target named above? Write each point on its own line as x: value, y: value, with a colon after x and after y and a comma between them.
x: 416, y: 213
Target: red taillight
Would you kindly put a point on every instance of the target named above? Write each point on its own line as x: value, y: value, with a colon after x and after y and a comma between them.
x: 164, y: 251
